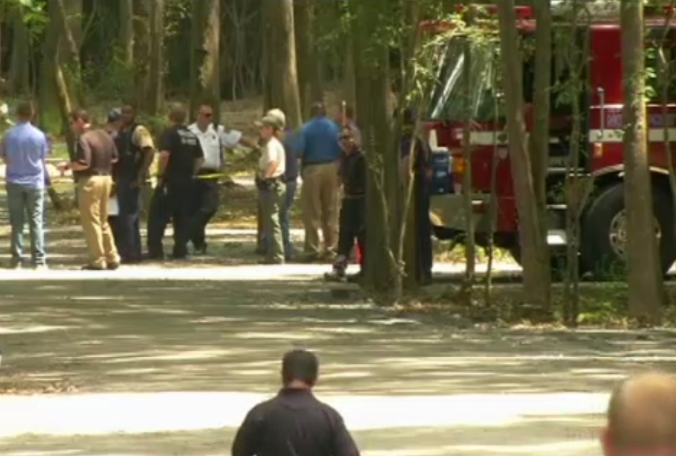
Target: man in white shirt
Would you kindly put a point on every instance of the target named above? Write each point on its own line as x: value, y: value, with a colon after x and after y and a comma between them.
x: 270, y: 183
x: 214, y: 139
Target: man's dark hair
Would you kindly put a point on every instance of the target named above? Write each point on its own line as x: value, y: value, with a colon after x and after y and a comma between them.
x: 25, y: 110
x: 301, y: 365
x: 178, y: 113
x: 317, y: 109
x: 79, y: 114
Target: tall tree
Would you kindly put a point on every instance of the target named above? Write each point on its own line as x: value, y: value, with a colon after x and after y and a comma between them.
x: 280, y: 53
x: 535, y: 273
x: 19, y: 68
x: 69, y: 47
x: 205, y: 80
x: 155, y: 97
x: 309, y: 67
x: 644, y: 278
x: 126, y: 32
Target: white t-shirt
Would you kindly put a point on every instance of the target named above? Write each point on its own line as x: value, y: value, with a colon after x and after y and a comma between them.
x: 273, y: 152
x: 213, y: 141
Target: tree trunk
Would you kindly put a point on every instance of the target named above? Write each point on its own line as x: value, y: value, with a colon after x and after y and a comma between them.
x: 126, y: 32
x: 646, y: 293
x: 69, y: 49
x: 141, y: 52
x: 205, y: 80
x: 539, y: 140
x: 381, y: 274
x: 19, y: 70
x: 156, y: 72
x: 282, y: 59
x: 536, y: 283
x: 309, y: 69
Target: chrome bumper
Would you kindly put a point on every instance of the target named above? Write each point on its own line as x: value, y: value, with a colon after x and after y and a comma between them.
x: 448, y: 211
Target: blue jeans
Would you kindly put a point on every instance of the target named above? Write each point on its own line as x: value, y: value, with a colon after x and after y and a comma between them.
x: 27, y: 201
x: 287, y: 204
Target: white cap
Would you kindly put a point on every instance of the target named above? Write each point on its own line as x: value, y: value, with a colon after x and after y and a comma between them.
x: 277, y: 114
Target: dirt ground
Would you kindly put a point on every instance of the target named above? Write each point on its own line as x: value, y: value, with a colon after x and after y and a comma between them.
x: 165, y: 359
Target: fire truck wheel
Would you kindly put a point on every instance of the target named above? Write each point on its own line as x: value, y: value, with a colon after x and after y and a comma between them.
x: 604, y: 232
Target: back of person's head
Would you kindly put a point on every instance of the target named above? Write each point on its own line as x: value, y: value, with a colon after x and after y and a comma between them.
x: 642, y: 417
x: 25, y: 110
x: 178, y: 113
x: 317, y: 109
x: 79, y: 115
x: 300, y: 366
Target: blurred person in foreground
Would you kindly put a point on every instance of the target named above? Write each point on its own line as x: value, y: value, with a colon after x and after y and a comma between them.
x: 294, y: 423
x: 642, y: 417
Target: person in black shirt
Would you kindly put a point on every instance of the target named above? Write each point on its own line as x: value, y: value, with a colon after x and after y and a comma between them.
x: 180, y: 157
x: 351, y: 219
x: 294, y: 423
x: 415, y: 157
x: 137, y: 150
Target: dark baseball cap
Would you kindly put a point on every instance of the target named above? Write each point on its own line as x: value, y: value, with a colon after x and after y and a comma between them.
x: 114, y: 115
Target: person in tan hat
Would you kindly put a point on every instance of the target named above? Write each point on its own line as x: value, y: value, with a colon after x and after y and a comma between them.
x: 270, y: 184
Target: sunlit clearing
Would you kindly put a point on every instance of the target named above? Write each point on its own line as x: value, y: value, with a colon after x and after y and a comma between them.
x: 171, y: 412
x: 562, y: 448
x: 280, y: 336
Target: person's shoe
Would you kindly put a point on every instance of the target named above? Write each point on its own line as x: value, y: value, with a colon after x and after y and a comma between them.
x: 41, y: 267
x: 154, y: 257
x: 201, y: 250
x: 184, y: 257
x: 93, y: 267
x: 270, y: 262
x: 113, y: 266
x: 335, y: 277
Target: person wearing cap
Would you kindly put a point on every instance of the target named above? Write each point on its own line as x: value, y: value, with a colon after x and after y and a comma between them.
x: 137, y: 150
x: 352, y: 210
x: 214, y: 139
x: 319, y: 154
x: 287, y: 137
x: 270, y: 184
x: 181, y: 157
x: 294, y: 422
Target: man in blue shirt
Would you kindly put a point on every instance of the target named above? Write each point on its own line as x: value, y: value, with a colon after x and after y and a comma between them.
x: 24, y: 150
x: 319, y: 152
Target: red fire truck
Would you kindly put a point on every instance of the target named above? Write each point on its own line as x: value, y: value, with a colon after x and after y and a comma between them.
x: 602, y: 229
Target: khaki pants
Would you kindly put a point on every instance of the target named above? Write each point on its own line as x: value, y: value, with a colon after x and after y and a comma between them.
x: 93, y: 194
x: 319, y: 204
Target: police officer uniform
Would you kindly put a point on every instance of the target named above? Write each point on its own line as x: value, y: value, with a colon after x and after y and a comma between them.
x: 128, y: 177
x: 173, y: 195
x: 205, y: 197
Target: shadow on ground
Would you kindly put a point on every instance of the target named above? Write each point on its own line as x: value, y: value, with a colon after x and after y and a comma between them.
x: 107, y: 336
x: 542, y: 435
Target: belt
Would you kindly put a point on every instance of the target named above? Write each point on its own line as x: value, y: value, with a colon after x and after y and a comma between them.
x: 323, y: 162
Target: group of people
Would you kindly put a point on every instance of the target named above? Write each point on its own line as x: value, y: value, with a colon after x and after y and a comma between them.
x: 115, y: 161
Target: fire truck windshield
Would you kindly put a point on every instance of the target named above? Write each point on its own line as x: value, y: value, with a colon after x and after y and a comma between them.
x: 448, y: 93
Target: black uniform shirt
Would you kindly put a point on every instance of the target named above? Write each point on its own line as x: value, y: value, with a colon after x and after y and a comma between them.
x: 184, y: 148
x: 353, y: 173
x: 294, y: 423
